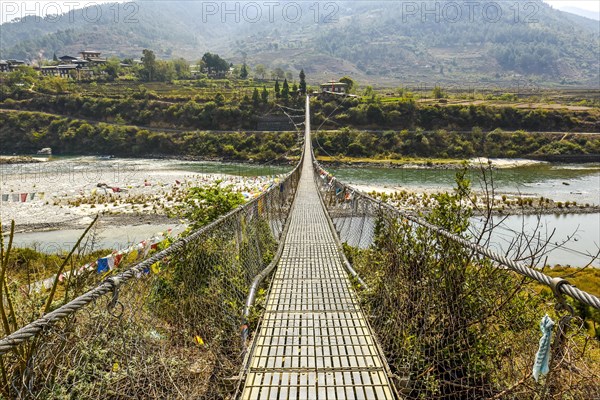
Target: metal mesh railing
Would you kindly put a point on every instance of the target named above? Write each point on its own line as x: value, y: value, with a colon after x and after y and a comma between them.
x: 456, y: 320
x: 168, y: 327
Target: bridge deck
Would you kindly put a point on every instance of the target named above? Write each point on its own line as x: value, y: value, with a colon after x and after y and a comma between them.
x: 313, y: 341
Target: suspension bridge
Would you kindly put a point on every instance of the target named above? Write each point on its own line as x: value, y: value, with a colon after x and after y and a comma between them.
x: 168, y: 326
x: 313, y: 341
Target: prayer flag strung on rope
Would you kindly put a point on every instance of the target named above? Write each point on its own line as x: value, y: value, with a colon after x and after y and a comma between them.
x: 118, y: 258
x: 111, y: 262
x: 102, y: 265
x: 22, y: 197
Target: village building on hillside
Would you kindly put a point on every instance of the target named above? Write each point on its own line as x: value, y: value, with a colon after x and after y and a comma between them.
x: 87, y: 54
x: 8, y: 65
x: 74, y: 67
x: 92, y: 56
x: 66, y: 71
x: 334, y: 87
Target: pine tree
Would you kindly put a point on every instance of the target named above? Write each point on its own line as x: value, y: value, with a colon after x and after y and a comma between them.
x: 54, y: 58
x: 244, y: 71
x: 285, y: 91
x: 265, y: 95
x: 255, y: 98
x: 277, y: 89
x: 302, y: 82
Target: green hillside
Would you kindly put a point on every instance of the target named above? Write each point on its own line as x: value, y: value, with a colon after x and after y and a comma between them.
x: 381, y: 42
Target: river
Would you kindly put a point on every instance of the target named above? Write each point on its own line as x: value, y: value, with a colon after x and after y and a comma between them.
x: 560, y: 182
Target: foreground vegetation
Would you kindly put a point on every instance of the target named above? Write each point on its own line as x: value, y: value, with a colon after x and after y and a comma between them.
x: 453, y: 325
x: 172, y: 331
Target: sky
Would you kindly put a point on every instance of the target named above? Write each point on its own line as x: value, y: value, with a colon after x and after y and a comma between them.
x: 591, y: 5
x: 9, y: 9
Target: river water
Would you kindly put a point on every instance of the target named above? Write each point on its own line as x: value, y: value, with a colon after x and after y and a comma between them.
x: 571, y: 239
x: 114, y: 238
x: 560, y: 182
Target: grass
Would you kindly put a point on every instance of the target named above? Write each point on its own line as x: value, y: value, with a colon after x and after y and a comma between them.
x: 586, y: 279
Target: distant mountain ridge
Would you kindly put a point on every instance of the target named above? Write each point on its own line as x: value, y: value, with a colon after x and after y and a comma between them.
x: 380, y: 42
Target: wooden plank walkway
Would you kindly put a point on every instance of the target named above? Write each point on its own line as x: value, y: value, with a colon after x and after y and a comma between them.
x: 313, y: 341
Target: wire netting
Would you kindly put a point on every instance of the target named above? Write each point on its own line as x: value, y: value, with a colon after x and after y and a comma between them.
x: 452, y: 323
x: 168, y: 327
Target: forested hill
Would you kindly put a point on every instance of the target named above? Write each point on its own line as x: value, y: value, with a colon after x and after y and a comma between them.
x: 387, y: 42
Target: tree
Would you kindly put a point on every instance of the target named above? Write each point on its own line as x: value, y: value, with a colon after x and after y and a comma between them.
x: 278, y: 73
x: 374, y: 114
x: 148, y: 65
x: 265, y: 95
x: 244, y: 71
x: 438, y: 92
x: 182, y: 68
x: 255, y: 97
x: 303, y: 82
x: 112, y: 68
x: 54, y: 58
x: 277, y: 89
x: 214, y: 63
x: 260, y: 70
x: 348, y: 81
x: 219, y: 99
x: 21, y: 78
x: 285, y: 91
x: 205, y: 204
x: 165, y: 71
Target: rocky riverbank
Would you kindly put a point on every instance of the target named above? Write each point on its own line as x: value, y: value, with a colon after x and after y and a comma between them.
x: 68, y: 193
x: 426, y: 163
x: 501, y: 204
x: 21, y: 160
